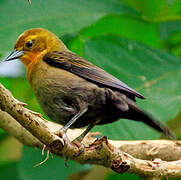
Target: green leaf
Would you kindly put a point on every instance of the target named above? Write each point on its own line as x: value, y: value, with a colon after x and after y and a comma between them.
x: 9, y: 171
x: 53, y: 168
x: 1, y: 131
x: 3, y: 135
x: 173, y: 43
x: 175, y: 124
x: 59, y: 16
x: 122, y: 25
x: 154, y: 73
x: 126, y: 176
x: 171, y: 34
x: 175, y: 7
x: 149, y: 9
x: 168, y: 28
x: 157, y: 11
x: 22, y: 91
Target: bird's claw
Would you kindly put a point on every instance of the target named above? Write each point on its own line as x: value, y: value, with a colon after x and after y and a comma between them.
x: 66, y: 141
x: 61, y: 133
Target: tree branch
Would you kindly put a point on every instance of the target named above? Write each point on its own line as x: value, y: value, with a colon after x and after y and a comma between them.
x: 32, y: 130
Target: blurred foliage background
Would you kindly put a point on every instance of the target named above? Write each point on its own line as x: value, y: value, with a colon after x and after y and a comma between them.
x: 137, y: 41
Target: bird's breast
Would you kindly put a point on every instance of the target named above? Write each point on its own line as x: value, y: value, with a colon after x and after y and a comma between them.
x: 62, y: 94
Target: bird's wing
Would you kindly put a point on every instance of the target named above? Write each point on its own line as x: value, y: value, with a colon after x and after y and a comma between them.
x: 79, y: 66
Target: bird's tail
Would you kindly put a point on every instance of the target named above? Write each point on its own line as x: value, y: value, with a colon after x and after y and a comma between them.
x: 135, y: 113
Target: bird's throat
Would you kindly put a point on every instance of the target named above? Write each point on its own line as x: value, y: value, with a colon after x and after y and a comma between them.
x: 30, y: 61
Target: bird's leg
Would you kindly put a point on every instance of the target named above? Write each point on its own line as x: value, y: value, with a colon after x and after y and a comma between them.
x: 64, y: 129
x: 79, y: 139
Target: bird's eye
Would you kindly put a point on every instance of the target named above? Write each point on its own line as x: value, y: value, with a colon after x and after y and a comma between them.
x: 29, y: 44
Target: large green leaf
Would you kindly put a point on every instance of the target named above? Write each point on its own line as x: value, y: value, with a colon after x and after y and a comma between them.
x: 150, y: 9
x: 54, y: 168
x: 9, y: 171
x: 22, y: 91
x: 123, y: 25
x: 3, y: 134
x: 157, y: 11
x: 168, y: 28
x: 59, y: 16
x: 170, y: 32
x: 126, y: 176
x: 154, y: 73
x: 175, y: 7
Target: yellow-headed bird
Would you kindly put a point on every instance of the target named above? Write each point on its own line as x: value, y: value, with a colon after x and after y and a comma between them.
x: 73, y: 91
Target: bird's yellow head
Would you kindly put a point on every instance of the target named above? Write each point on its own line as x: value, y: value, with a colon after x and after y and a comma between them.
x: 33, y: 44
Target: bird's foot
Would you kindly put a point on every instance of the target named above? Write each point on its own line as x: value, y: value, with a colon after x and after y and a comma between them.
x: 62, y: 133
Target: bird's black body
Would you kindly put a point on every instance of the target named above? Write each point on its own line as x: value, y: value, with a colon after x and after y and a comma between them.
x: 72, y: 91
x: 110, y: 99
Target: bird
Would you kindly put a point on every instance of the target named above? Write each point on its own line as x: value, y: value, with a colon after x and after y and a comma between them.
x: 74, y: 92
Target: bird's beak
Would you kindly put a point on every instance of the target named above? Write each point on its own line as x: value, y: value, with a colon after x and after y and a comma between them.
x: 14, y: 55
